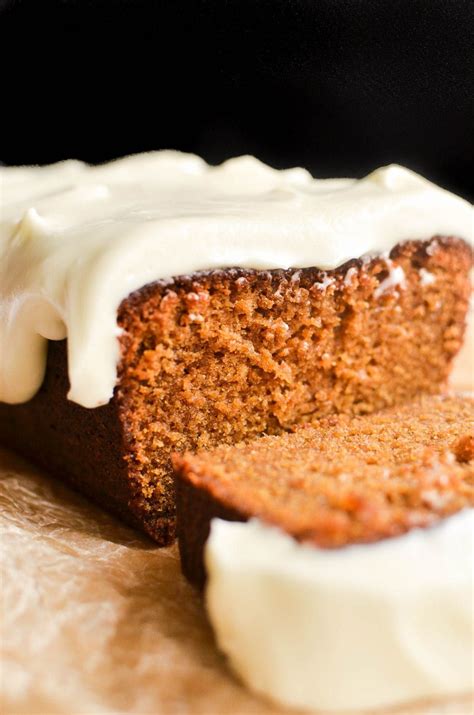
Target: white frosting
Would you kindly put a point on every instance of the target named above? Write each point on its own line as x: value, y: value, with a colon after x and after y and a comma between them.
x: 75, y: 240
x: 360, y: 627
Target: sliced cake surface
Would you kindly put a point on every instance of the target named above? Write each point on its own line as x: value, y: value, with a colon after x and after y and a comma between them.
x: 346, y: 480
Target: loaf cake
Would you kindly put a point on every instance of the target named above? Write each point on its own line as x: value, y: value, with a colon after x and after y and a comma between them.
x: 156, y: 305
x: 345, y: 480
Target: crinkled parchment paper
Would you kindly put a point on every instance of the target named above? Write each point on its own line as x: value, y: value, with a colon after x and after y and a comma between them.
x: 96, y: 619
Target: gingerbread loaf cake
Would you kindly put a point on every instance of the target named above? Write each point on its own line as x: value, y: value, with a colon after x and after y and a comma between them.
x: 346, y: 480
x: 183, y: 306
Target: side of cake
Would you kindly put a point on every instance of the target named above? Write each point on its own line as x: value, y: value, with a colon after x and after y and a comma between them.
x: 297, y: 299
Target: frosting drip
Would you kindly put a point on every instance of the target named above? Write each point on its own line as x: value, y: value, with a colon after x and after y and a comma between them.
x: 75, y: 240
x: 361, y: 627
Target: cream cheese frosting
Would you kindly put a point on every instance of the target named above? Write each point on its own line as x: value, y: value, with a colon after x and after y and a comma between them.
x: 75, y: 240
x: 366, y: 626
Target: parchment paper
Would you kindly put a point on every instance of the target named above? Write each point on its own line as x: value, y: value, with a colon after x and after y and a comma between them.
x: 96, y: 619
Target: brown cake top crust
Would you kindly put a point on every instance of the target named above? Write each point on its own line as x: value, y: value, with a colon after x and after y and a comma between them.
x: 348, y: 480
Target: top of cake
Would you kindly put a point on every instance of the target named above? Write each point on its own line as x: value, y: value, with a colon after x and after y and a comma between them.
x: 75, y: 240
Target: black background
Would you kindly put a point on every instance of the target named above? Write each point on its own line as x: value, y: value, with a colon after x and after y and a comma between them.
x: 338, y: 86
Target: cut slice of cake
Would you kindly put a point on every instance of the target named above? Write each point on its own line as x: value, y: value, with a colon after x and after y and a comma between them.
x: 343, y: 481
x: 206, y: 305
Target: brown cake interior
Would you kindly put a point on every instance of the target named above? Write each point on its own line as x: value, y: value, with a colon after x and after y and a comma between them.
x: 221, y: 357
x: 345, y: 480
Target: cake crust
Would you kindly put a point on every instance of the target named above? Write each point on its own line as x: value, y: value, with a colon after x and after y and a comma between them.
x: 224, y: 356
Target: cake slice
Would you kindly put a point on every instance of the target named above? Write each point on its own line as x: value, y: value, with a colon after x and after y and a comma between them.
x: 343, y: 481
x: 361, y: 628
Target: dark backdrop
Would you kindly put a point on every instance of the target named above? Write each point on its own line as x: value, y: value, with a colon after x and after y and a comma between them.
x: 338, y: 86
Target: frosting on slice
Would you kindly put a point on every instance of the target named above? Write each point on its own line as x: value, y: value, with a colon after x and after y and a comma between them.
x: 360, y: 627
x: 75, y: 240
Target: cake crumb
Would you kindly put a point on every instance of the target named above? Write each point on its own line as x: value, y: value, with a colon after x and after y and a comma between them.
x: 463, y: 448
